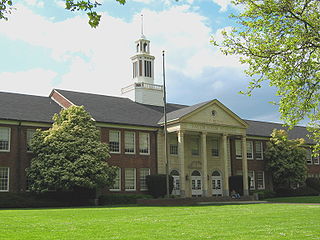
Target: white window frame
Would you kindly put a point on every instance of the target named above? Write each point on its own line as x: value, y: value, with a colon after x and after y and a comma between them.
x: 263, y: 180
x: 141, y: 139
x: 218, y: 147
x: 249, y: 152
x: 8, y: 181
x: 309, y: 156
x: 9, y: 139
x: 125, y: 142
x: 144, y: 178
x: 173, y: 146
x: 195, y: 146
x: 134, y: 179
x: 28, y: 139
x: 257, y: 143
x: 252, y: 180
x: 119, y: 139
x: 238, y: 148
x: 118, y: 177
x: 316, y: 160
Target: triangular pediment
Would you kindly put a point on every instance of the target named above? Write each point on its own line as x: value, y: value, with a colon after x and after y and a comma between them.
x: 214, y: 112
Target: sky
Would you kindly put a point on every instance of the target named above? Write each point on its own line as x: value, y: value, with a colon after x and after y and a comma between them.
x: 43, y: 46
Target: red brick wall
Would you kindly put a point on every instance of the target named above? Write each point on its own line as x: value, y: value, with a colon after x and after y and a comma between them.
x: 60, y: 99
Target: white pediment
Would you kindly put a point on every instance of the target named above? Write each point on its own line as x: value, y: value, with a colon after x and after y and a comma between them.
x: 215, y: 113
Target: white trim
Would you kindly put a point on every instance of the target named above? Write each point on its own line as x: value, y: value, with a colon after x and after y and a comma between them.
x: 29, y: 130
x: 117, y: 189
x: 140, y: 177
x: 255, y: 150
x: 134, y: 143
x: 263, y: 180
x: 8, y: 183
x: 148, y: 135
x: 238, y: 142
x: 249, y: 142
x: 56, y: 91
x: 119, y: 139
x: 9, y: 141
x: 134, y: 182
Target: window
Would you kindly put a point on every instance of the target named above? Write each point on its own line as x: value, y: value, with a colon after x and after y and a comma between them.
x: 30, y: 133
x: 144, y: 172
x: 315, y: 160
x: 259, y: 150
x: 195, y: 147
x: 260, y: 179
x: 117, y: 181
x: 144, y: 143
x: 140, y: 67
x: 5, y: 139
x: 4, y: 179
x: 252, y: 181
x: 129, y: 142
x: 114, y: 141
x: 215, y: 148
x: 309, y: 157
x: 238, y: 149
x: 173, y: 147
x: 249, y: 149
x: 135, y: 69
x: 130, y: 179
x: 147, y: 68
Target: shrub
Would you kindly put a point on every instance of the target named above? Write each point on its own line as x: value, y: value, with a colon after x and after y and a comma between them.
x: 157, y: 185
x: 263, y: 194
x: 313, y: 183
x: 301, y: 191
x: 121, y: 198
x: 236, y: 183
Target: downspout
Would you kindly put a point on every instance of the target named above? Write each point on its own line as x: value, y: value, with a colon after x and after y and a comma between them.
x: 19, y: 159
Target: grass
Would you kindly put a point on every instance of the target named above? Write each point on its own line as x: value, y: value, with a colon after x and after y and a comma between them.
x: 305, y: 199
x: 261, y: 221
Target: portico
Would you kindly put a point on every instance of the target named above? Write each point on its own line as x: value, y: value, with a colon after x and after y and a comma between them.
x: 199, y: 150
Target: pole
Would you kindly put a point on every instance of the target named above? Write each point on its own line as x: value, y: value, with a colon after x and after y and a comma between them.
x: 165, y: 125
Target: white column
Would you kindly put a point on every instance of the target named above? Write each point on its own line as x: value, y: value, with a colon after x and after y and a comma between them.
x: 226, y: 167
x: 244, y: 166
x: 181, y: 161
x: 204, y: 164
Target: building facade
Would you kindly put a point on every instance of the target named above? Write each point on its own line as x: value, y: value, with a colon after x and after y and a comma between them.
x: 207, y: 142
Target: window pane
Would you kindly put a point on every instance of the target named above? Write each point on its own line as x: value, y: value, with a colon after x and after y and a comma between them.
x: 238, y: 149
x: 215, y: 148
x: 117, y: 181
x: 129, y: 142
x: 144, y: 172
x: 259, y: 150
x: 173, y: 147
x: 4, y: 179
x: 252, y: 181
x: 309, y: 157
x: 249, y: 150
x: 260, y: 179
x: 144, y: 143
x: 114, y: 141
x: 195, y: 147
x: 130, y: 179
x: 30, y: 133
x: 4, y: 139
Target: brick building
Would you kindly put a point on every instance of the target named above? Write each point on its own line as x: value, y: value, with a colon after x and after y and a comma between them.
x: 207, y: 142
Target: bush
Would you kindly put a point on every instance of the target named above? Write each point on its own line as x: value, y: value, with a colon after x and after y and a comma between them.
x: 121, y: 198
x: 157, y: 185
x: 313, y: 183
x: 49, y: 199
x: 301, y: 191
x: 263, y: 194
x: 236, y: 183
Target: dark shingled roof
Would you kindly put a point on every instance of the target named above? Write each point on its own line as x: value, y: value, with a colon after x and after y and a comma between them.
x: 21, y: 107
x: 264, y: 129
x: 114, y: 109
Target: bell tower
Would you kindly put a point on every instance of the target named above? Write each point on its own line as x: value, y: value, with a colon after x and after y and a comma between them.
x: 143, y: 90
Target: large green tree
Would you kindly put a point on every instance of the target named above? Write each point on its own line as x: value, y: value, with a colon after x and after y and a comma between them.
x: 286, y: 159
x: 6, y: 7
x: 69, y: 155
x: 279, y: 41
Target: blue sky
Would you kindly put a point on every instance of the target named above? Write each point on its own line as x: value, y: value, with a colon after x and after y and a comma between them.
x: 43, y: 46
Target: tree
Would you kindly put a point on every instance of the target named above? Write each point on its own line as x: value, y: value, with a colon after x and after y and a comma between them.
x: 286, y: 159
x: 69, y: 155
x: 6, y: 7
x: 279, y: 41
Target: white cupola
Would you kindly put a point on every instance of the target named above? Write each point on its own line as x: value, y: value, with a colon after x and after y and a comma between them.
x: 143, y: 90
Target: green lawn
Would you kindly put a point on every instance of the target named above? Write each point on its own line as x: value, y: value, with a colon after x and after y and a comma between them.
x: 307, y: 199
x: 260, y: 221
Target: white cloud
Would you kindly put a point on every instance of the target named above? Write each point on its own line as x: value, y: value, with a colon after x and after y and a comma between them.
x: 106, y: 67
x: 34, y: 81
x: 143, y: 1
x: 35, y: 3
x: 223, y: 4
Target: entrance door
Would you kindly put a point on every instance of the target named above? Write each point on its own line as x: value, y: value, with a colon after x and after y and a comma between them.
x: 196, y: 184
x: 176, y: 182
x: 216, y: 184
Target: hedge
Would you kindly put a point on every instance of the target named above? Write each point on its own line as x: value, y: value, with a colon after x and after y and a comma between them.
x: 157, y: 185
x: 121, y: 198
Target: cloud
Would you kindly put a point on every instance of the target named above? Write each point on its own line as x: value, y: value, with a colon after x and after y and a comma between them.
x: 35, y: 3
x: 223, y: 4
x: 34, y: 81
